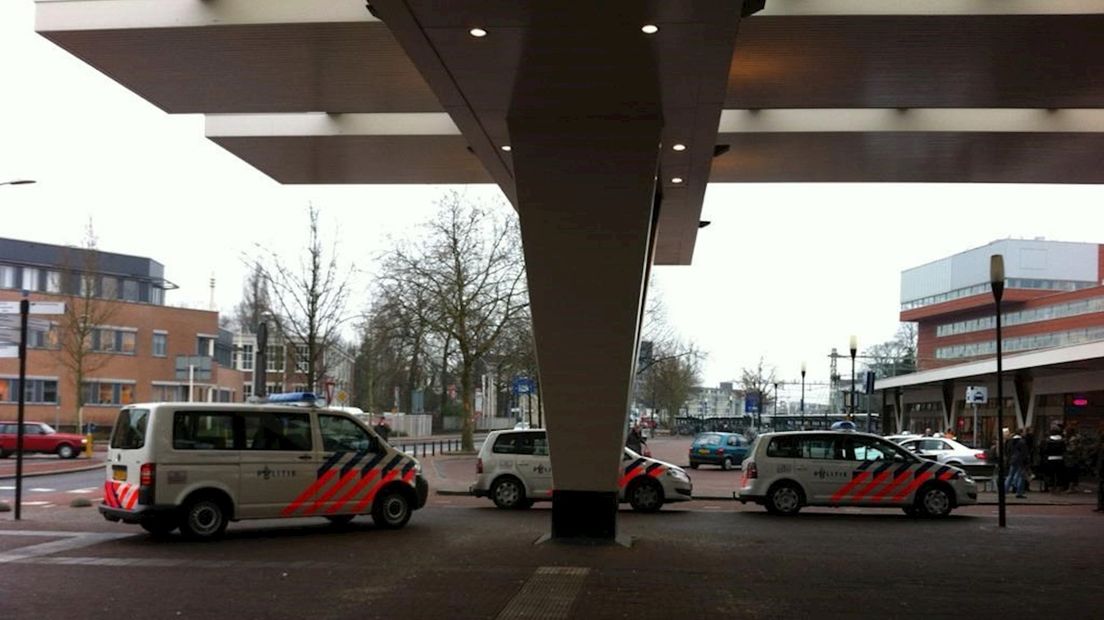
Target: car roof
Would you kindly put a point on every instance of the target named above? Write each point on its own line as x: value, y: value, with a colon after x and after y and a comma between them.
x: 821, y: 432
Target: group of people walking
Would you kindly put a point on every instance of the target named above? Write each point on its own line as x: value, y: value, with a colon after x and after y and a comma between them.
x: 1058, y: 462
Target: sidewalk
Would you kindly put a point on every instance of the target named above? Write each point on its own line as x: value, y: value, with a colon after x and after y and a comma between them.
x: 45, y: 465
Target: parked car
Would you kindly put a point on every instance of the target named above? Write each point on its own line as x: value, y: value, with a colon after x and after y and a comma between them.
x: 727, y: 450
x: 787, y: 471
x: 515, y: 470
x: 949, y: 452
x: 40, y: 437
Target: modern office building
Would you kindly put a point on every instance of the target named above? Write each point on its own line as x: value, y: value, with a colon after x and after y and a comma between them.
x: 138, y: 349
x: 1054, y: 296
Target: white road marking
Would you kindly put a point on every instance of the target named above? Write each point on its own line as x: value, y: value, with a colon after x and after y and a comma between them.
x: 88, y: 490
x: 70, y: 541
x: 711, y: 507
x: 42, y: 490
x: 35, y: 503
x: 7, y: 488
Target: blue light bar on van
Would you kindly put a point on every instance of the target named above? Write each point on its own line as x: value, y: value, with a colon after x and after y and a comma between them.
x: 292, y: 397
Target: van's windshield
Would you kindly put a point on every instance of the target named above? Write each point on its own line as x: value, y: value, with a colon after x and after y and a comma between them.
x: 130, y: 429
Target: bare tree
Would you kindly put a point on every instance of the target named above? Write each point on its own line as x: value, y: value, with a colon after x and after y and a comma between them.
x: 308, y: 300
x: 894, y: 357
x: 671, y: 377
x: 85, y: 311
x: 255, y: 303
x: 465, y: 280
x: 762, y: 381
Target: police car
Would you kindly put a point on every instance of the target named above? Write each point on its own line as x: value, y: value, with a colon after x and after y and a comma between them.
x: 786, y: 471
x: 197, y: 466
x: 515, y: 470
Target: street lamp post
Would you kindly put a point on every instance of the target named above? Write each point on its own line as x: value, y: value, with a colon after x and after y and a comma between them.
x: 854, y: 350
x: 774, y: 418
x: 803, y: 395
x: 996, y: 280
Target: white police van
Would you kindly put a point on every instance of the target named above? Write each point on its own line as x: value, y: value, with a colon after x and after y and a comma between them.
x: 197, y: 466
x: 515, y: 470
x: 785, y: 471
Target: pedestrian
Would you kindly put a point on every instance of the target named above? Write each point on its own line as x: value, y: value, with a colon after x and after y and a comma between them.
x: 1052, y: 460
x: 383, y: 429
x: 1018, y: 458
x: 1071, y: 460
x: 634, y: 441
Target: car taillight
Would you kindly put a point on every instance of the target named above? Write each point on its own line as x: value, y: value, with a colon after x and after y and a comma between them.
x: 981, y: 456
x: 751, y: 471
x: 720, y: 451
x: 479, y: 466
x: 146, y: 476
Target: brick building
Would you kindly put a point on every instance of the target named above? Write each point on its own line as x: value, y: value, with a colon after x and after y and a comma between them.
x: 1053, y: 297
x: 143, y: 351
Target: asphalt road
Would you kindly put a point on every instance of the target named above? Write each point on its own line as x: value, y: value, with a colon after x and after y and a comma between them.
x: 460, y: 558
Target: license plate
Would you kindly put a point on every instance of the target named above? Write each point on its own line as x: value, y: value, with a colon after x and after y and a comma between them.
x: 703, y: 451
x: 119, y: 473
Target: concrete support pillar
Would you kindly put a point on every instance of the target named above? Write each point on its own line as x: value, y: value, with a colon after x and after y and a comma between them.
x: 950, y: 406
x: 899, y: 410
x: 1023, y: 395
x: 585, y: 138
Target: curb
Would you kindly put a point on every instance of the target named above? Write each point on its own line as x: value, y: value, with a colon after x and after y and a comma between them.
x: 53, y: 473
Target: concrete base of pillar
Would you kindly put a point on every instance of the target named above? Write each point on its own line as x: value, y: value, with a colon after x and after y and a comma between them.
x: 585, y: 517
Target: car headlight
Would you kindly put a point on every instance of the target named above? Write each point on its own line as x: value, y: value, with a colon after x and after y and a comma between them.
x: 418, y: 467
x: 84, y: 441
x: 678, y: 474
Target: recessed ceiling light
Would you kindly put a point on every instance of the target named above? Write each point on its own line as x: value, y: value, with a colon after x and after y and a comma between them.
x: 679, y: 147
x: 676, y: 180
x: 478, y: 33
x: 650, y: 29
x: 506, y: 147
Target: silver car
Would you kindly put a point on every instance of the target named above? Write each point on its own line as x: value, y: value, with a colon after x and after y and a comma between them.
x: 950, y: 452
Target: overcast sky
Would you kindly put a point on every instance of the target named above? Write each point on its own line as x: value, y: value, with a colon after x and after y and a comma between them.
x: 785, y: 271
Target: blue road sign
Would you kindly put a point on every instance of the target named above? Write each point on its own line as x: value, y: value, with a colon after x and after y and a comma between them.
x: 524, y: 385
x: 751, y: 403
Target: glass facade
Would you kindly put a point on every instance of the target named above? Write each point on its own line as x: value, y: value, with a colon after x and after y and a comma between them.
x: 1023, y: 343
x: 1033, y: 315
x: 1010, y: 283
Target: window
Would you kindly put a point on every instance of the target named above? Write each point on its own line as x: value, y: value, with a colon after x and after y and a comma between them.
x: 522, y: 443
x: 194, y: 430
x: 277, y: 431
x: 108, y: 393
x: 53, y: 281
x: 38, y: 391
x: 170, y: 393
x: 43, y: 338
x: 112, y: 340
x: 302, y: 358
x: 736, y: 440
x: 245, y: 357
x: 205, y: 346
x: 130, y: 429
x: 30, y: 279
x: 341, y: 434
x: 247, y: 391
x: 816, y: 447
x: 130, y: 290
x: 7, y: 276
x: 109, y: 288
x: 275, y: 359
x: 783, y: 447
x: 160, y: 345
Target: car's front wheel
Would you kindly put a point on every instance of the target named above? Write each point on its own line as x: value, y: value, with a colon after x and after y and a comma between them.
x: 392, y: 510
x: 645, y: 495
x: 784, y: 498
x: 693, y: 465
x: 66, y: 451
x: 934, y: 501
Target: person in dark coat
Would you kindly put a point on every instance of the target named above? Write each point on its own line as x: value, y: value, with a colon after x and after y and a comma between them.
x: 1052, y: 458
x: 1018, y: 459
x: 635, y: 441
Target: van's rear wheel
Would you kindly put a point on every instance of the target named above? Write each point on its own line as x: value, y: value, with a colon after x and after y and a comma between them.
x: 784, y: 498
x: 204, y: 518
x: 726, y: 464
x: 392, y: 510
x: 508, y: 493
